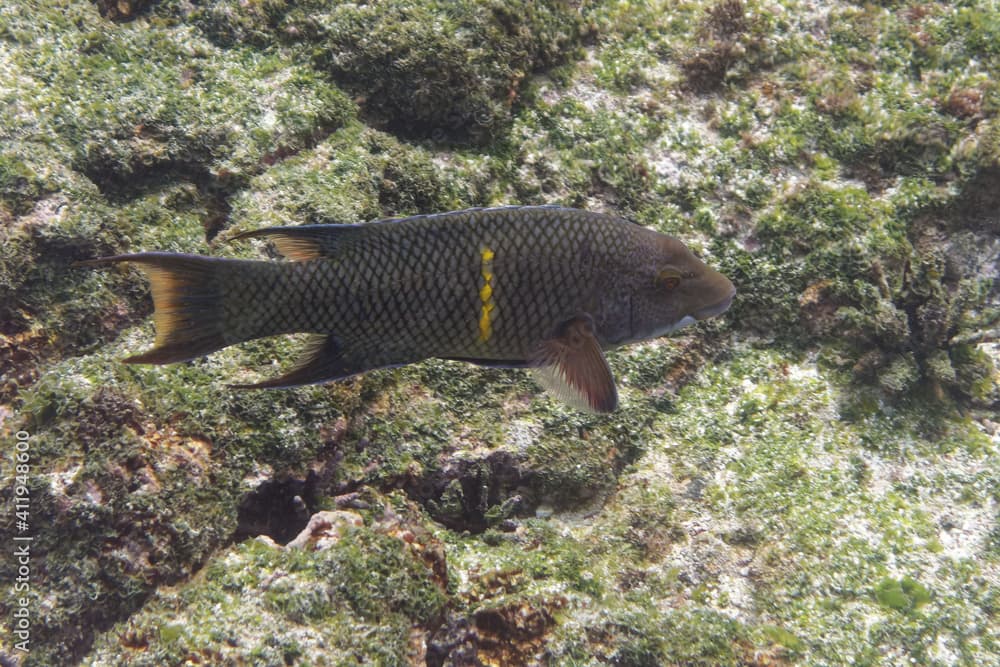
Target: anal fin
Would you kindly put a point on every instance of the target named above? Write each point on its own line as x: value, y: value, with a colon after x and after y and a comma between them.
x: 322, y: 361
x: 572, y: 366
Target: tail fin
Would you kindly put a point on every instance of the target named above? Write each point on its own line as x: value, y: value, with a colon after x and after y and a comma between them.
x: 188, y: 304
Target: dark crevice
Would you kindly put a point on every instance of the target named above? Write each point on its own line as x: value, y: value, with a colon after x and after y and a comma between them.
x: 121, y: 184
x: 214, y: 192
x: 978, y: 207
x: 122, y: 11
x: 511, y: 634
x: 473, y: 495
x: 279, y: 509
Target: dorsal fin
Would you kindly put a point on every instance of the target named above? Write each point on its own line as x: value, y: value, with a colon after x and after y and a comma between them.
x: 572, y: 366
x: 305, y: 242
x: 300, y: 243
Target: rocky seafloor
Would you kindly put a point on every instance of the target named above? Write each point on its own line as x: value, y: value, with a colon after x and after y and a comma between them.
x: 812, y: 479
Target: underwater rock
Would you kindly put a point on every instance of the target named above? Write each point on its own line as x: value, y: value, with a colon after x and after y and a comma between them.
x: 448, y: 72
x: 810, y: 480
x: 326, y: 528
x: 424, y: 71
x: 470, y: 494
x: 511, y: 634
x: 120, y: 10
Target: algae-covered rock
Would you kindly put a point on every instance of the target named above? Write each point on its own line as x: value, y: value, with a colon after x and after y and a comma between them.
x: 438, y: 70
x: 810, y: 479
x: 370, y: 597
x: 445, y: 71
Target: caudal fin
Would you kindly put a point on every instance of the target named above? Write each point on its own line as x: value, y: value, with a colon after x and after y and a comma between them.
x: 188, y: 304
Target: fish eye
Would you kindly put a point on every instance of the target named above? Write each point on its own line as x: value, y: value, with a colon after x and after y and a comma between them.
x: 668, y: 279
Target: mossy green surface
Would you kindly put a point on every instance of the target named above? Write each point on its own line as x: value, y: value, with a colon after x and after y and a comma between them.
x: 443, y: 71
x: 258, y: 603
x: 810, y: 479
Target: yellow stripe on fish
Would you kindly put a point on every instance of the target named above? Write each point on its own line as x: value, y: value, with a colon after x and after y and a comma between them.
x: 486, y: 295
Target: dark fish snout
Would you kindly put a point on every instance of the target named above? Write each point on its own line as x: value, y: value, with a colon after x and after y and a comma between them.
x: 716, y: 308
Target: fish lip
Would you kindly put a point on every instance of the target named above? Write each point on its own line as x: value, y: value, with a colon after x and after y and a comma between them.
x: 716, y: 308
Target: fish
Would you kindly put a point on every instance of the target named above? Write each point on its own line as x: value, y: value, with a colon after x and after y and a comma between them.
x: 546, y: 288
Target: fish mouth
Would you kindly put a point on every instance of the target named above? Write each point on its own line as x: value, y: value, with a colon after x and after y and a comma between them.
x: 715, y: 309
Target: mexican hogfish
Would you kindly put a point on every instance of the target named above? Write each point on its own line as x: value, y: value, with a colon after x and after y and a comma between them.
x: 539, y: 287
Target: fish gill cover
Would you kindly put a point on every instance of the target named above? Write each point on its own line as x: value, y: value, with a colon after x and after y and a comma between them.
x: 810, y: 479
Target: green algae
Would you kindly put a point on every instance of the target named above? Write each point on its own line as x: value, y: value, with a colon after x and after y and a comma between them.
x: 764, y: 484
x: 902, y: 595
x: 156, y: 115
x: 134, y: 102
x: 824, y: 492
x: 438, y: 71
x: 356, y: 174
x: 362, y: 595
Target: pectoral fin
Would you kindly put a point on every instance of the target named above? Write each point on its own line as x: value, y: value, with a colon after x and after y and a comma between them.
x: 572, y: 366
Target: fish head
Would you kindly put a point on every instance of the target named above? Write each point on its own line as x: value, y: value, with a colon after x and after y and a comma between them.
x: 675, y: 289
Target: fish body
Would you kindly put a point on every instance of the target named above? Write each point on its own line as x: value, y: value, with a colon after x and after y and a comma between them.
x: 543, y: 287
